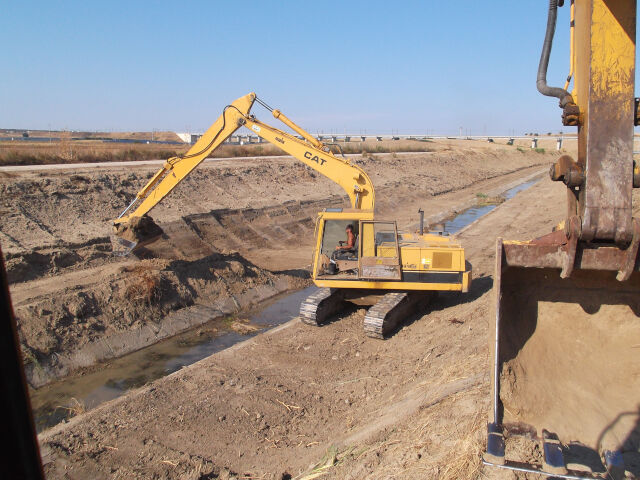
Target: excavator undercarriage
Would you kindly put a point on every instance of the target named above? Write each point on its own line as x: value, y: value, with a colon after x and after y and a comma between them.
x: 387, y: 310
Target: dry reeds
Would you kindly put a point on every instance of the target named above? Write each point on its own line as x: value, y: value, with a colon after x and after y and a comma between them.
x: 142, y: 284
x: 465, y: 460
x: 67, y: 150
x: 75, y: 408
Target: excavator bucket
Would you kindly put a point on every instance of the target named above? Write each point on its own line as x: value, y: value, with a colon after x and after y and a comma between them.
x: 566, y: 377
x: 566, y: 345
x: 134, y: 234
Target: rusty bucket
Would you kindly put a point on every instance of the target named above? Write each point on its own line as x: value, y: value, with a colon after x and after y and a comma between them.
x: 566, y: 359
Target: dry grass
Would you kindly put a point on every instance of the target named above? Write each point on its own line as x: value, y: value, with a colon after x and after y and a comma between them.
x: 465, y: 460
x: 332, y: 458
x: 75, y: 408
x: 243, y: 328
x: 66, y: 150
x: 142, y: 284
x: 482, y: 199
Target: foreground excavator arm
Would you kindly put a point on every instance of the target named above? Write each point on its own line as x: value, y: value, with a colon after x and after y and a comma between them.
x: 135, y: 228
x: 566, y: 375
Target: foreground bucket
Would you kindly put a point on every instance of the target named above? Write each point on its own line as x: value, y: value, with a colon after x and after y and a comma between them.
x: 566, y: 372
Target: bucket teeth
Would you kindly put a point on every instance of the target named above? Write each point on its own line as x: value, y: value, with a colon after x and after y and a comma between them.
x: 572, y: 461
x: 615, y: 464
x: 121, y: 247
x: 553, y: 457
x: 495, y: 445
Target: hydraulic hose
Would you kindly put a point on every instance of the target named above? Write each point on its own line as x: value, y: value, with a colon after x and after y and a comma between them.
x: 543, y: 88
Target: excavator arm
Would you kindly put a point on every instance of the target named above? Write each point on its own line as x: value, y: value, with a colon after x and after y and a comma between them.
x: 351, y: 178
x: 565, y: 373
x: 133, y: 228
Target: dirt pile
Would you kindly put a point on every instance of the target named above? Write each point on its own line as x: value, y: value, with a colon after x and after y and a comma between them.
x: 23, y: 266
x: 58, y: 330
x: 563, y: 341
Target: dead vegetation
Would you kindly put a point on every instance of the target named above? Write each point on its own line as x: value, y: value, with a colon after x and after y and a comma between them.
x: 482, y: 199
x: 465, y: 459
x: 67, y: 150
x: 243, y: 327
x: 142, y: 284
x: 75, y: 408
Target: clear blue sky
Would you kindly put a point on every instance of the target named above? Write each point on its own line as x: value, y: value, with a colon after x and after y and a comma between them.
x: 415, y: 66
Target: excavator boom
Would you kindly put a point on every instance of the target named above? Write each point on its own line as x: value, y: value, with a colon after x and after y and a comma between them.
x: 133, y: 228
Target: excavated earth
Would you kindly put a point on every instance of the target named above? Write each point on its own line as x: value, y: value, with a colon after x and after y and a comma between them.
x: 236, y: 232
x: 293, y: 402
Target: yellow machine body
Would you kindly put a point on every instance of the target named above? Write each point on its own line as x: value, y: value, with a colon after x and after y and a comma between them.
x: 388, y: 261
x: 566, y: 368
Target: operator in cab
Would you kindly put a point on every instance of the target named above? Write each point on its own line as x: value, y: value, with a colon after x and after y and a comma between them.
x: 345, y: 248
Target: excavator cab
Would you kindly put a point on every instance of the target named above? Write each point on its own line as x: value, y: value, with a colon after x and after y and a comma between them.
x: 334, y: 262
x: 376, y: 255
x: 380, y: 259
x: 566, y: 337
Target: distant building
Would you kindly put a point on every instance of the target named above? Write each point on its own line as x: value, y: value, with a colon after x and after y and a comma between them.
x: 189, y: 138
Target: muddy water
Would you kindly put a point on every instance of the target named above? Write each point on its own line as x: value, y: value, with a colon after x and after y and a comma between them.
x: 470, y: 215
x: 58, y: 401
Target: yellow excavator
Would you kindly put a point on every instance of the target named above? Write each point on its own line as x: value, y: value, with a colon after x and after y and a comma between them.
x: 398, y: 271
x: 566, y: 350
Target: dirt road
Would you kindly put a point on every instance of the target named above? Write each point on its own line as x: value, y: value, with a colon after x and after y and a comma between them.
x: 413, y: 406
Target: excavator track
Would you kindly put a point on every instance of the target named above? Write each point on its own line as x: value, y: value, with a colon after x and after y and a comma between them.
x: 383, y: 317
x: 318, y: 307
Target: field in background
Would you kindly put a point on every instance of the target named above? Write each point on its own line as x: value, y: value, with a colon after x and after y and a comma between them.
x: 7, y: 134
x: 81, y: 151
x: 66, y: 149
x: 91, y: 151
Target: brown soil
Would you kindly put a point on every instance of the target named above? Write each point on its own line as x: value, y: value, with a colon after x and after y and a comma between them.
x: 288, y: 401
x: 413, y: 406
x: 300, y: 400
x: 564, y: 340
x: 225, y: 229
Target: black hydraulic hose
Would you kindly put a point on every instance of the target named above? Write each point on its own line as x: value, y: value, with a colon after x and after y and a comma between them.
x: 541, y: 83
